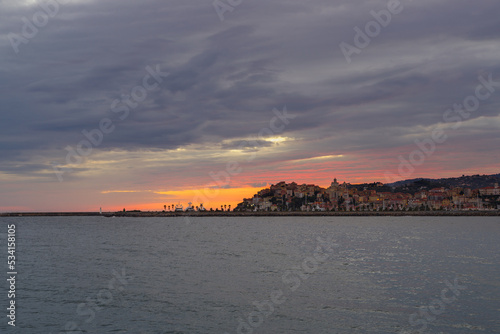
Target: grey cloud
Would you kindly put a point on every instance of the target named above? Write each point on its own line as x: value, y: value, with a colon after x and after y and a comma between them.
x: 226, y: 77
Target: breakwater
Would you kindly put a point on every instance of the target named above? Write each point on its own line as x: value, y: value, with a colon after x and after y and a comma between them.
x: 258, y: 213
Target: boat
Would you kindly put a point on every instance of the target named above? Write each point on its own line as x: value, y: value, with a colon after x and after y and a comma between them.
x: 189, y: 208
x: 178, y: 208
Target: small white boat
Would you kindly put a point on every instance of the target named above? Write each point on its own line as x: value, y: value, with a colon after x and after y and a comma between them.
x: 178, y: 208
x: 189, y: 208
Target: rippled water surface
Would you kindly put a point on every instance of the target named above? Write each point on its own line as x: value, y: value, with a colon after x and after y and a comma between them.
x: 255, y: 275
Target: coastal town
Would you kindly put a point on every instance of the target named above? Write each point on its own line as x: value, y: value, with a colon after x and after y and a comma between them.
x: 454, y: 194
x: 474, y: 195
x: 370, y: 197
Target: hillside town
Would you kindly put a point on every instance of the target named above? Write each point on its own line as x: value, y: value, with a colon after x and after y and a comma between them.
x: 370, y: 197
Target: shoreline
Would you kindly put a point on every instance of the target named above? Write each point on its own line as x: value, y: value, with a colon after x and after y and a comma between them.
x: 493, y: 213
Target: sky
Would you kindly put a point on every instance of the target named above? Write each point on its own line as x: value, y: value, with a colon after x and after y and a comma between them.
x: 141, y: 104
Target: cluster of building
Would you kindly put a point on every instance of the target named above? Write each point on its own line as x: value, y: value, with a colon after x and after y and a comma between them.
x: 345, y: 197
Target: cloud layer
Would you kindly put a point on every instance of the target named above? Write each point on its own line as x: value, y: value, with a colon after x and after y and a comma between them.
x: 225, y: 79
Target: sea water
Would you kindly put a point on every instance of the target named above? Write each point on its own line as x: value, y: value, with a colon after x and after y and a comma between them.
x: 254, y: 275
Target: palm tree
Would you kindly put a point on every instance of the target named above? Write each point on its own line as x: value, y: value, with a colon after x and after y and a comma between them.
x: 225, y: 207
x: 221, y: 207
x: 229, y: 207
x: 165, y: 207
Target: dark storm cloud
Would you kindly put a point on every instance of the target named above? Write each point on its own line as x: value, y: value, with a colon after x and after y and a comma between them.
x: 225, y: 78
